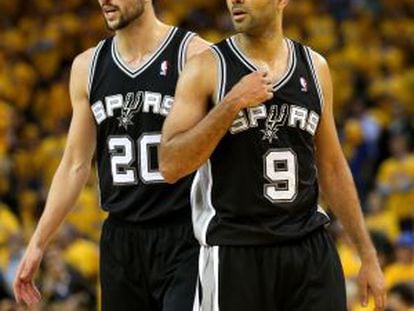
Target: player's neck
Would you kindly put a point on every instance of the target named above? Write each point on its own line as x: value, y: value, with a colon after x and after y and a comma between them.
x: 146, y: 29
x: 267, y: 46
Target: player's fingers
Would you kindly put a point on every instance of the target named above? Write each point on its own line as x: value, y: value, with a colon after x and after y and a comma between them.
x: 27, y: 296
x: 269, y: 87
x: 380, y: 298
x: 33, y: 292
x: 24, y: 295
x: 363, y: 292
x: 267, y: 81
x: 36, y: 293
x: 17, y: 289
x: 269, y: 94
x: 264, y: 72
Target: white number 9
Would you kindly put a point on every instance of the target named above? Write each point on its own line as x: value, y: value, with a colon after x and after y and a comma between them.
x: 280, y: 168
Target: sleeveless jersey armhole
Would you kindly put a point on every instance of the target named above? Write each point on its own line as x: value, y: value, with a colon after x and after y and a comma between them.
x: 183, y: 49
x: 221, y: 75
x: 315, y: 76
x: 92, y: 65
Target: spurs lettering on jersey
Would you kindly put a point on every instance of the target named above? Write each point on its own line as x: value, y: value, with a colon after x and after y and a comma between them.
x: 276, y: 117
x: 130, y: 104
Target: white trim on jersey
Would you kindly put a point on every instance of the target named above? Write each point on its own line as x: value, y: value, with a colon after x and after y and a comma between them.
x: 201, y: 205
x: 133, y: 73
x: 315, y: 76
x: 322, y: 211
x: 251, y: 66
x: 92, y: 66
x: 98, y: 186
x: 182, y: 50
x: 221, y: 74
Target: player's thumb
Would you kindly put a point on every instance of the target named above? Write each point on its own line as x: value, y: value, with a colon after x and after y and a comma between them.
x: 27, y: 271
x: 263, y: 68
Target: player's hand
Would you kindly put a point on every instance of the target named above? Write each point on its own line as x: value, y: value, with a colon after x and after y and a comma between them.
x: 371, y: 282
x: 24, y: 287
x: 251, y: 90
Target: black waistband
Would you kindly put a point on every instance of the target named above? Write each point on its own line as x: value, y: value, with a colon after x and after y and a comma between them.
x: 182, y: 217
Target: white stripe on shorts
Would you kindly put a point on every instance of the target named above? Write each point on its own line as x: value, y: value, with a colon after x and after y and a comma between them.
x: 208, y: 270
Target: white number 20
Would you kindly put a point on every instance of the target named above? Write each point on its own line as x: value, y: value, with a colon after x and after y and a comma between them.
x: 280, y: 168
x: 123, y: 154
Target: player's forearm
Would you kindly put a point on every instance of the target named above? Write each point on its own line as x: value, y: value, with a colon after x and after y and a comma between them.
x: 66, y: 186
x: 185, y: 152
x: 339, y: 189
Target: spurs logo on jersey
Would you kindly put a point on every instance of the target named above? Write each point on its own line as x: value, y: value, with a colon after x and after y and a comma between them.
x: 130, y: 104
x: 273, y: 122
x: 276, y: 117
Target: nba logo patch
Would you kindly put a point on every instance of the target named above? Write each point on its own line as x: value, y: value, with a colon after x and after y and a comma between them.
x: 164, y: 68
x: 303, y: 84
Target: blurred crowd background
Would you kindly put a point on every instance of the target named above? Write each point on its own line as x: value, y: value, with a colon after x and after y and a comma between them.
x: 369, y: 45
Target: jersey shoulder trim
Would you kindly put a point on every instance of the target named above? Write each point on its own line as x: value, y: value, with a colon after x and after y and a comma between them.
x: 308, y: 53
x: 221, y: 73
x: 92, y: 66
x: 182, y: 50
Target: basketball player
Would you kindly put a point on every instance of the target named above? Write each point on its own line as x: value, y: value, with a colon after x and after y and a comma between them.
x: 121, y: 92
x: 264, y: 140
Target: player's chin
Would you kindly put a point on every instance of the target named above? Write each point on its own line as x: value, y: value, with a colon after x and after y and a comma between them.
x: 113, y: 25
x: 241, y: 26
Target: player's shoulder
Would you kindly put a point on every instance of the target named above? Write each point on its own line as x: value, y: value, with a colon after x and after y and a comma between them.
x: 80, y: 70
x: 204, y: 61
x: 319, y: 61
x: 197, y: 45
x: 200, y: 71
x: 83, y: 60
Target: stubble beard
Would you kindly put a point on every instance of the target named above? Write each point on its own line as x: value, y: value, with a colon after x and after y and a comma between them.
x: 124, y: 21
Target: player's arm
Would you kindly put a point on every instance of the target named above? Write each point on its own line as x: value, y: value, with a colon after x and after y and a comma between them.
x: 68, y: 181
x: 191, y: 132
x: 339, y: 190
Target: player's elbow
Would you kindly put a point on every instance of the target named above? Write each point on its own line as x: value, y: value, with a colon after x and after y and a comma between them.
x: 80, y: 170
x: 75, y: 165
x: 168, y: 172
x: 167, y: 167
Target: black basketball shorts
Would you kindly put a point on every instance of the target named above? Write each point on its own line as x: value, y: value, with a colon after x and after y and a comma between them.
x: 302, y: 275
x: 147, y: 269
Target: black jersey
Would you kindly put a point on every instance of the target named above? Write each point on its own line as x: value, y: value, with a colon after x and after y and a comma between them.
x: 260, y: 184
x: 129, y: 106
